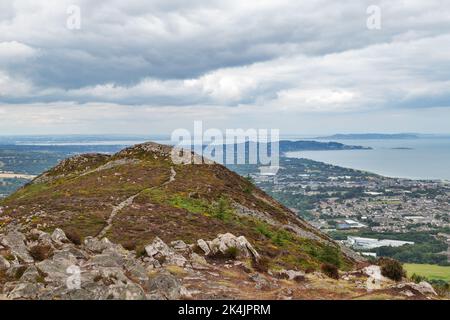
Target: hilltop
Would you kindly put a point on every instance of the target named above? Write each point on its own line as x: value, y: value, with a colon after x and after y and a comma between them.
x: 123, y: 209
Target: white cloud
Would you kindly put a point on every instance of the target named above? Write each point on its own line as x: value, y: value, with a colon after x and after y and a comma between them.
x: 259, y: 57
x: 14, y: 52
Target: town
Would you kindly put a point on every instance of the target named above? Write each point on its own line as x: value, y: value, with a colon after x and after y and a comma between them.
x: 347, y: 203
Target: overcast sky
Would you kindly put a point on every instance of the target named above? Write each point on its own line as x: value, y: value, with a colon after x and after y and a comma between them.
x: 148, y: 67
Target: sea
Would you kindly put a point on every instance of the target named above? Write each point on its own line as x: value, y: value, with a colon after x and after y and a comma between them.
x: 421, y: 158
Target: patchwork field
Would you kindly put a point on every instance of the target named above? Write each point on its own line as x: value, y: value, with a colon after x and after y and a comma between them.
x: 428, y: 270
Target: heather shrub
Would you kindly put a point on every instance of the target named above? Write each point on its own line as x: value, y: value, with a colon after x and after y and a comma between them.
x: 261, y: 265
x: 392, y: 269
x: 41, y: 252
x: 74, y: 236
x: 330, y: 270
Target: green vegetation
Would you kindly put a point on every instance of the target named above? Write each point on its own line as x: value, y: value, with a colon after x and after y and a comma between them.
x: 432, y: 272
x: 391, y: 269
x: 426, y: 248
x: 330, y: 270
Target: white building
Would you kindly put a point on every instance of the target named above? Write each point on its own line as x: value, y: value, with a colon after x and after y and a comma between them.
x: 371, y: 243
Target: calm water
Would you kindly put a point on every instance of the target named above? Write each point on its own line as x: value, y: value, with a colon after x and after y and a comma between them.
x: 424, y: 159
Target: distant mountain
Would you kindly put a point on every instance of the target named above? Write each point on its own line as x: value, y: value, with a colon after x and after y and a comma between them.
x: 369, y: 136
x: 286, y: 146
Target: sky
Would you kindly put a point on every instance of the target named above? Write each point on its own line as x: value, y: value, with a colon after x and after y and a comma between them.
x: 149, y: 67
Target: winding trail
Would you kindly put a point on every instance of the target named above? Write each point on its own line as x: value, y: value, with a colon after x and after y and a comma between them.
x: 128, y: 202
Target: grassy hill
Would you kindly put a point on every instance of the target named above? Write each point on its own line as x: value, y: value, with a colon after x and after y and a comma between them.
x: 139, y: 193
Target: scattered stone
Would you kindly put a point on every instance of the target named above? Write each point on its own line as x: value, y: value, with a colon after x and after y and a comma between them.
x: 164, y: 254
x: 166, y: 285
x: 261, y: 282
x: 4, y: 264
x: 290, y: 275
x: 198, y: 262
x: 97, y: 246
x: 204, y: 246
x: 179, y: 245
x: 59, y: 236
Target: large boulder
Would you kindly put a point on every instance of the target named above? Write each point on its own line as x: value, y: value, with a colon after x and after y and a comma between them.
x: 423, y: 287
x: 97, y: 246
x: 163, y: 253
x: 59, y: 236
x: 15, y: 242
x: 166, y: 285
x: 375, y: 279
x: 56, y: 268
x: 224, y: 242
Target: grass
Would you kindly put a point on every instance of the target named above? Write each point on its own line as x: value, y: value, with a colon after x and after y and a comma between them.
x: 433, y: 272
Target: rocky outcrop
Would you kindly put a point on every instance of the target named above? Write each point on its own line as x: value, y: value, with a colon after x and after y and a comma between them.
x: 161, y: 252
x: 224, y: 242
x: 98, y: 269
x: 423, y: 287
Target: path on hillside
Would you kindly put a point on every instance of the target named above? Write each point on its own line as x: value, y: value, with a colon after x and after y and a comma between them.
x: 129, y: 201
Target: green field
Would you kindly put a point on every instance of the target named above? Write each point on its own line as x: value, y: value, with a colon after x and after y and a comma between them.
x: 428, y: 270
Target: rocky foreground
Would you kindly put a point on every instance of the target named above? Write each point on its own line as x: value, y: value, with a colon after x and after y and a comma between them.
x: 38, y: 265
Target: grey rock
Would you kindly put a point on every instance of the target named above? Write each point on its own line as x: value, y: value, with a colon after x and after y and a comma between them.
x: 25, y: 290
x: 261, y: 281
x: 137, y: 270
x: 223, y: 242
x: 15, y: 241
x: 55, y: 269
x: 202, y: 244
x: 423, y: 287
x: 166, y: 285
x: 30, y: 275
x: 59, y: 236
x: 179, y: 245
x: 97, y: 246
x: 198, y: 262
x: 290, y: 275
x: 129, y: 291
x: 161, y: 251
x: 106, y: 260
x: 4, y: 264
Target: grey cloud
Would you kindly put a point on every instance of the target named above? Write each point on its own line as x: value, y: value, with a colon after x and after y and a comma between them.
x: 286, y: 55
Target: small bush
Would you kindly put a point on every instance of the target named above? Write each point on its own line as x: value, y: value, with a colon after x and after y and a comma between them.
x: 309, y: 270
x: 140, y: 251
x: 41, y: 252
x: 417, y: 278
x: 19, y: 272
x: 330, y: 270
x: 232, y: 253
x: 130, y: 245
x: 442, y: 287
x: 392, y: 269
x: 261, y: 265
x: 330, y: 255
x: 74, y: 236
